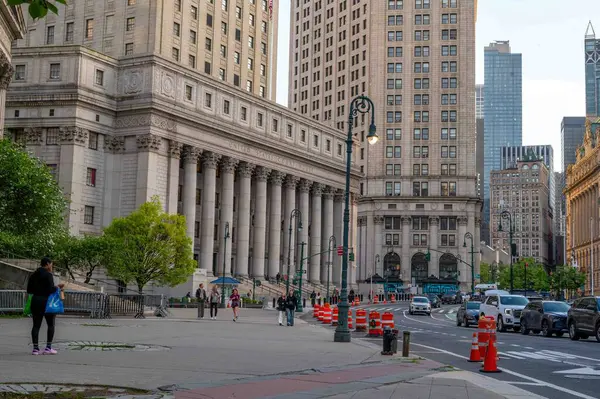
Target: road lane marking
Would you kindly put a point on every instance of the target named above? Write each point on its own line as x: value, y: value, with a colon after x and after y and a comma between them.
x: 532, y: 384
x: 419, y: 321
x: 510, y: 355
x: 570, y: 356
x: 522, y: 376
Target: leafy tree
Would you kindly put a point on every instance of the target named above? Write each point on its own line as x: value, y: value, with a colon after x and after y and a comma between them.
x: 38, y: 8
x: 65, y: 254
x: 149, y: 245
x: 92, y: 252
x: 485, y: 275
x: 535, y: 274
x: 32, y: 205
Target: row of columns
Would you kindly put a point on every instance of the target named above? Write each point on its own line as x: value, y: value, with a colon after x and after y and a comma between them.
x: 320, y: 204
x: 584, y: 211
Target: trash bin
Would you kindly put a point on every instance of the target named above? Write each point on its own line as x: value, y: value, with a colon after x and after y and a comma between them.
x: 388, y: 339
x: 394, y: 344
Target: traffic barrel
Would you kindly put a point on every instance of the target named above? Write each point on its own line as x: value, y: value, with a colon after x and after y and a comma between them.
x: 316, y: 311
x: 490, y: 362
x: 375, y: 329
x: 475, y: 355
x: 321, y: 313
x: 334, y: 317
x: 393, y: 298
x: 350, y: 325
x: 483, y: 335
x: 387, y: 319
x: 361, y: 320
x: 375, y: 299
x: 326, y: 314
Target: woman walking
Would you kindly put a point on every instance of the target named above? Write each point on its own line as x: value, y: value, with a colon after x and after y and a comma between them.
x: 235, y: 303
x: 214, y: 302
x: 41, y: 286
x: 281, y: 308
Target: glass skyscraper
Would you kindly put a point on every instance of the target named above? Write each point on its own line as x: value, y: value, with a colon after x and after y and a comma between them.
x: 592, y: 72
x: 502, y: 109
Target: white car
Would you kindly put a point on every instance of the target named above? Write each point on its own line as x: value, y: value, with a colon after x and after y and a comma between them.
x: 504, y: 307
x: 420, y: 304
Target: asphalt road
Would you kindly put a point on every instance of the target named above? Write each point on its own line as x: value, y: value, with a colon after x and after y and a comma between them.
x: 551, y: 367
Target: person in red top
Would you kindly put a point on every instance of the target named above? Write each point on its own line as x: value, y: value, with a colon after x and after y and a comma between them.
x: 235, y: 303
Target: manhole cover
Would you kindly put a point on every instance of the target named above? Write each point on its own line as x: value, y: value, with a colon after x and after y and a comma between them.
x: 58, y: 391
x: 108, y: 346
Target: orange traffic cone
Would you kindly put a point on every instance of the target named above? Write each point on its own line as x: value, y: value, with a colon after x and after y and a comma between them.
x: 475, y: 355
x: 491, y: 357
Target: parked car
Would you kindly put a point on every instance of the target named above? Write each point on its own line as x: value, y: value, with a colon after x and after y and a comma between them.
x: 583, y: 318
x: 506, y: 308
x: 549, y: 317
x: 420, y: 304
x: 468, y: 313
x: 435, y: 300
x: 449, y: 298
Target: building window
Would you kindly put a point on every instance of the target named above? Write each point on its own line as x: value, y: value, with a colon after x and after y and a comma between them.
x: 448, y: 189
x: 223, y: 51
x: 209, y: 20
x: 249, y: 86
x: 261, y: 91
x: 250, y: 64
x: 130, y: 26
x: 250, y: 42
x: 316, y: 141
x: 130, y: 2
x: 208, y: 44
x: 243, y: 113
x: 89, y: 28
x: 55, y: 71
x: 99, y: 77
x: 19, y: 72
x: 263, y: 70
x: 128, y: 48
x: 236, y: 57
x: 177, y: 5
x: 224, y: 28
x: 188, y: 92
x: 50, y: 35
x: 303, y: 136
x: 420, y: 189
x: 208, y: 100
x: 259, y: 119
x: 263, y: 27
x: 222, y: 74
x: 93, y: 141
x: 226, y: 106
x: 193, y: 36
x: 91, y: 177
x: 88, y: 215
x: 192, y: 61
x: 207, y: 67
x: 175, y: 53
x: 224, y: 5
x: 196, y: 229
x: 70, y: 29
x: 176, y: 29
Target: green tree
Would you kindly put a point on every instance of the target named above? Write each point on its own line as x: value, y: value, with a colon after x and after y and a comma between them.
x: 149, y: 245
x: 65, y: 254
x: 38, y: 8
x: 537, y: 277
x: 485, y: 275
x: 92, y: 252
x: 32, y: 205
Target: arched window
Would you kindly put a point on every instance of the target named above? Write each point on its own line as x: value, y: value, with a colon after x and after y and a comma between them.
x: 391, y: 266
x: 448, y: 267
x: 418, y: 268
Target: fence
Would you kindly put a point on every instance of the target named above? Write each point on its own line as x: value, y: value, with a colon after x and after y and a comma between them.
x: 94, y: 304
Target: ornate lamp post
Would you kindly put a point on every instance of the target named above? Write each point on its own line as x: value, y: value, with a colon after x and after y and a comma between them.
x: 296, y: 214
x: 224, y: 262
x: 362, y: 105
x: 469, y: 236
x: 511, y: 230
x: 332, y: 245
x: 377, y: 260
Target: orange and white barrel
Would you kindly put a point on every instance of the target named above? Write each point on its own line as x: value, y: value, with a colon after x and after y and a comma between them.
x: 327, y: 314
x: 334, y: 316
x: 361, y: 320
x: 375, y: 329
x: 387, y: 320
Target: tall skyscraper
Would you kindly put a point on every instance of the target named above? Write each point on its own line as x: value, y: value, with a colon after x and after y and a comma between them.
x: 479, y: 96
x: 503, y: 108
x: 420, y: 188
x: 572, y: 130
x: 592, y: 72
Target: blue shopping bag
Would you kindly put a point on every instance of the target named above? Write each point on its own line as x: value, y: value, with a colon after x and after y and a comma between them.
x: 55, y: 304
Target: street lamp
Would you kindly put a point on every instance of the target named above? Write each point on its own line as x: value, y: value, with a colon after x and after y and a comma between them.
x: 296, y: 214
x: 224, y: 262
x: 361, y: 104
x: 377, y: 260
x: 332, y: 245
x: 469, y: 236
x: 511, y: 230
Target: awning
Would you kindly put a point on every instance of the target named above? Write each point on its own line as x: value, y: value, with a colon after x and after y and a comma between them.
x: 228, y: 281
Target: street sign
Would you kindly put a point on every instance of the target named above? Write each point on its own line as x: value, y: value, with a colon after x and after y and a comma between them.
x: 340, y: 250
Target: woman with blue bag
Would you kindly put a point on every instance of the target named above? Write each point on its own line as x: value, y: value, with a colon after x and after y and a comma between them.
x: 45, y: 304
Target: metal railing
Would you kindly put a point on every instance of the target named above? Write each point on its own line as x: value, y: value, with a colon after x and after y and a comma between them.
x: 94, y: 304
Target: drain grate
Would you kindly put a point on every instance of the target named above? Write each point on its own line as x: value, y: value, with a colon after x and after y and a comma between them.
x: 108, y: 346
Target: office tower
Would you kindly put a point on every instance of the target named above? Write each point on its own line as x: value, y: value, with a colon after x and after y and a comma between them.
x: 502, y: 108
x: 572, y: 130
x: 592, y: 72
x: 528, y: 207
x: 416, y: 60
x: 479, y: 103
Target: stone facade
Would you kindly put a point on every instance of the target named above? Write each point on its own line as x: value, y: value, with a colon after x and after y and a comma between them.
x: 209, y: 151
x: 582, y: 200
x: 12, y: 27
x: 416, y: 61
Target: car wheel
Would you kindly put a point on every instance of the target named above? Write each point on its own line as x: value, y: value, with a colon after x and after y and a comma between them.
x: 500, y: 325
x: 410, y: 312
x: 598, y: 332
x: 560, y: 334
x: 584, y: 336
x: 573, y: 332
x: 458, y: 323
x: 546, y: 329
x: 524, y: 329
x: 466, y: 322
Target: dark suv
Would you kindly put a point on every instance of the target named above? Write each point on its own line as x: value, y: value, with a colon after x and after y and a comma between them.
x: 549, y: 317
x: 584, y: 318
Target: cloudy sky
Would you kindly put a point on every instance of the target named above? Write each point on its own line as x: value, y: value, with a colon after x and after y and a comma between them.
x: 550, y: 37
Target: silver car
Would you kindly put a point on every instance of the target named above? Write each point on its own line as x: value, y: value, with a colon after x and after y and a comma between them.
x: 420, y: 304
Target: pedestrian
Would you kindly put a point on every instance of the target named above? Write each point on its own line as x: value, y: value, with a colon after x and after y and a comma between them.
x: 235, y: 303
x: 278, y: 278
x: 214, y: 302
x: 351, y: 296
x: 313, y: 296
x: 281, y: 307
x: 319, y: 298
x: 201, y: 299
x: 291, y: 303
x: 41, y: 286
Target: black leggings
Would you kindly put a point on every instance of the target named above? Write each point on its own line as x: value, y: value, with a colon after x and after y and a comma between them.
x: 214, y: 306
x: 38, y: 308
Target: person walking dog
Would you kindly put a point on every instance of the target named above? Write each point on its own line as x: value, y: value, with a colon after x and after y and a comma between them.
x: 201, y: 299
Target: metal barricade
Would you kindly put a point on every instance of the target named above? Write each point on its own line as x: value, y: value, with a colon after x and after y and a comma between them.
x: 92, y: 303
x: 136, y: 305
x: 12, y: 301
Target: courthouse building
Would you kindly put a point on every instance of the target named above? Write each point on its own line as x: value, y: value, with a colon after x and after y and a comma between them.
x: 102, y: 95
x: 582, y: 199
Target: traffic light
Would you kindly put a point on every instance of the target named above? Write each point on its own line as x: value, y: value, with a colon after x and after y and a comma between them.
x: 340, y: 250
x: 428, y: 256
x: 351, y: 257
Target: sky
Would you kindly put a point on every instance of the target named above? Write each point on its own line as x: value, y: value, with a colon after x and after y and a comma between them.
x: 550, y: 36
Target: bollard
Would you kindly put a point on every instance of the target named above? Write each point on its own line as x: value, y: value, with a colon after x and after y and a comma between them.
x: 274, y: 303
x: 303, y: 302
x: 405, y: 343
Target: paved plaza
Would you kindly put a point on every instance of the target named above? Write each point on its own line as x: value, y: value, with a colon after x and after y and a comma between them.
x: 182, y: 357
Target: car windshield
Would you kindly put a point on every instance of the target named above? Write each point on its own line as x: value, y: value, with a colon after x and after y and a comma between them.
x: 556, y: 307
x: 473, y: 305
x: 420, y: 300
x: 513, y: 300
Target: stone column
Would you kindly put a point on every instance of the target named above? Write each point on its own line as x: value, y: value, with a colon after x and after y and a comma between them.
x: 276, y: 180
x: 6, y: 74
x: 406, y: 252
x: 338, y: 228
x: 304, y: 189
x: 149, y: 169
x: 227, y: 189
x: 290, y: 205
x: 175, y: 150
x: 71, y: 176
x: 210, y: 161
x: 327, y: 233
x: 462, y: 268
x: 434, y: 223
x: 378, y: 222
x: 260, y: 223
x: 243, y: 223
x: 315, y: 234
x: 114, y: 150
x: 190, y: 179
